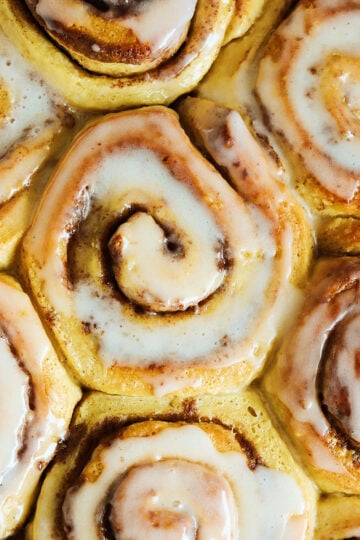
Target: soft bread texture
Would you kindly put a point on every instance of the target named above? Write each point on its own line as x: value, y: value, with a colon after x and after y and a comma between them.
x: 101, y: 418
x: 238, y: 269
x: 312, y: 383
x: 40, y: 402
x: 338, y: 518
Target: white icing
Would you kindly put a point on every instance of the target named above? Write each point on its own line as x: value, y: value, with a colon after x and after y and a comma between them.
x: 175, y: 282
x: 190, y: 337
x: 345, y: 369
x: 171, y: 499
x: 331, y: 155
x: 299, y: 366
x: 14, y: 408
x: 266, y: 500
x: 159, y: 23
x: 28, y: 116
x: 352, y: 532
x: 34, y: 433
x: 203, y: 211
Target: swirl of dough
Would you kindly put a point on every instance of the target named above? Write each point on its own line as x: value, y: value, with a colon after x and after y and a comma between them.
x: 37, y: 405
x: 168, y: 498
x: 124, y: 54
x: 317, y: 375
x: 158, y: 270
x: 308, y: 83
x: 128, y: 471
x: 173, y: 495
x: 116, y: 38
x: 160, y: 479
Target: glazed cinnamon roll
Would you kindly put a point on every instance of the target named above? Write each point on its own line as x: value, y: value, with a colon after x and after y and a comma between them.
x: 31, y: 118
x: 308, y: 83
x: 314, y: 382
x: 153, y: 272
x: 38, y: 398
x: 118, y: 477
x: 123, y: 53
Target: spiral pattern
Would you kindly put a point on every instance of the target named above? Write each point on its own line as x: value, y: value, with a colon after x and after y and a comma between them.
x: 116, y: 38
x: 173, y: 497
x: 153, y: 264
x: 308, y: 83
x: 162, y: 479
x: 136, y: 72
x: 39, y: 401
x: 318, y: 371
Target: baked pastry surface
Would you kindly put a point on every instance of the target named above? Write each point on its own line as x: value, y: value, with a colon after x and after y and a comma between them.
x: 313, y: 382
x: 160, y: 461
x: 155, y: 275
x: 33, y: 120
x: 308, y: 86
x: 38, y: 399
x: 106, y: 82
x: 234, y: 247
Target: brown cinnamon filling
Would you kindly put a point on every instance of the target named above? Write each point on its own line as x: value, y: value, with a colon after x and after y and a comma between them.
x: 118, y: 8
x: 333, y: 393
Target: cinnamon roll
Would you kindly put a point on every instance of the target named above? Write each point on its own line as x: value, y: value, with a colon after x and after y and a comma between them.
x: 155, y: 275
x: 37, y: 403
x: 118, y: 477
x: 314, y: 382
x: 31, y: 119
x: 308, y: 83
x: 122, y: 53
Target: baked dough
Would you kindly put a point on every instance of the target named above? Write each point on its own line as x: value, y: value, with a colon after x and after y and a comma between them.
x: 157, y: 458
x: 109, y: 84
x: 33, y: 120
x: 155, y: 275
x: 313, y: 384
x: 38, y: 396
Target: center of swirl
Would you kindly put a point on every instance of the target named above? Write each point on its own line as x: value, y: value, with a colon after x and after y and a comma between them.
x: 174, y: 500
x: 163, y: 270
x: 340, y: 386
x: 118, y: 7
